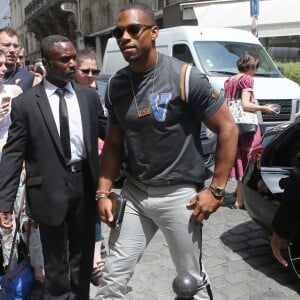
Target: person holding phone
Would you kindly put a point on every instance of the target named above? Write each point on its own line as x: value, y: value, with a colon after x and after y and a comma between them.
x: 15, y: 74
x: 7, y: 92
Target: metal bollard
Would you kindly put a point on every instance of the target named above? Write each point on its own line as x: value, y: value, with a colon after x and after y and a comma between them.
x: 185, y: 286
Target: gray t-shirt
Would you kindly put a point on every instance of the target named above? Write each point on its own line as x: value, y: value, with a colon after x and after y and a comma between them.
x: 165, y: 145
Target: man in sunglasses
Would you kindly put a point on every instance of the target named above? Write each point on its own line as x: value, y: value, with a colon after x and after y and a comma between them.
x: 165, y: 183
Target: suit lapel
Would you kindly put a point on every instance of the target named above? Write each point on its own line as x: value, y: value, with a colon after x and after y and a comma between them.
x: 43, y: 104
x: 84, y: 111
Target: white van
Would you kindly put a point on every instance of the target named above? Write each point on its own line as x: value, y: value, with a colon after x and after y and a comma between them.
x: 214, y: 51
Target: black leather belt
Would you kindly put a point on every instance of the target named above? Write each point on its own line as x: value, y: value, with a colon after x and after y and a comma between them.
x: 75, y: 167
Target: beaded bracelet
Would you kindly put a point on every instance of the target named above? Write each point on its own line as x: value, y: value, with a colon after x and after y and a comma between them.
x: 102, y: 192
x: 101, y: 196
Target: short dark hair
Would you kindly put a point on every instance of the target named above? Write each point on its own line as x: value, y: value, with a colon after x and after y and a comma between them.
x: 38, y: 69
x: 144, y: 8
x: 48, y: 43
x: 9, y: 31
x: 86, y: 53
x: 247, y: 61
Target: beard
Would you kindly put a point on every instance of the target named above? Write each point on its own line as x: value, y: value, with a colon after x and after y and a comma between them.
x: 10, y: 66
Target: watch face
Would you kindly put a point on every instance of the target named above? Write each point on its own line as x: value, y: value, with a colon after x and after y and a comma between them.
x: 217, y: 191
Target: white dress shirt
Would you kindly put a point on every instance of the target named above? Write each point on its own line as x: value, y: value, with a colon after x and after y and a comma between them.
x: 78, y: 151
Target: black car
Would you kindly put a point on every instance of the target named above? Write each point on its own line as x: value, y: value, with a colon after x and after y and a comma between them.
x: 208, y: 144
x: 276, y: 157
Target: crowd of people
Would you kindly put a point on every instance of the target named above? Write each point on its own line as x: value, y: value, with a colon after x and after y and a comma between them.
x: 54, y: 129
x: 18, y: 81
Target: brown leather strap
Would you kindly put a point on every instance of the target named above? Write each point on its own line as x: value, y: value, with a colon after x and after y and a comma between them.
x: 18, y: 217
x: 182, y: 81
x: 28, y: 233
x: 109, y: 87
x: 236, y: 96
x: 11, y: 275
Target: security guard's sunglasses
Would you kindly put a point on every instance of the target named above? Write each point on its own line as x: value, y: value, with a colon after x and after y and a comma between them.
x: 132, y: 29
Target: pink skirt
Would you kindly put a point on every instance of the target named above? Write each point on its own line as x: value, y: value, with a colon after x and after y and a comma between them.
x: 245, y: 145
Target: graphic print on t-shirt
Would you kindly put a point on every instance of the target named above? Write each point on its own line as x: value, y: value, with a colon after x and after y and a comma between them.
x: 159, y: 105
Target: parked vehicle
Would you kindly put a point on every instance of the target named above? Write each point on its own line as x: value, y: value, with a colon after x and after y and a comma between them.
x: 214, y: 51
x: 208, y: 143
x: 274, y: 158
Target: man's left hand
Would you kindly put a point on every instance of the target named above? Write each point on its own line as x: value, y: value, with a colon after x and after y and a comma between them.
x: 278, y: 243
x: 205, y: 204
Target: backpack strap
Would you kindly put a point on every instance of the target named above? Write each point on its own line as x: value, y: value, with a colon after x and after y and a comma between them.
x: 184, y: 80
x: 109, y: 88
x: 14, y: 241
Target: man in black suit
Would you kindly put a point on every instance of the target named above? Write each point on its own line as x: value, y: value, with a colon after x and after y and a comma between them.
x: 61, y: 162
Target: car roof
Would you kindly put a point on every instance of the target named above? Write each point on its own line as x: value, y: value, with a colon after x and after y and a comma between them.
x: 104, y: 76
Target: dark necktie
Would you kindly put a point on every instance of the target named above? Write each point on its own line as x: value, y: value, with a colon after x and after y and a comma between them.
x: 64, y: 124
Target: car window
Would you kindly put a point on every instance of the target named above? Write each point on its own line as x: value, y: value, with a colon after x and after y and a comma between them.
x: 219, y: 58
x: 182, y: 52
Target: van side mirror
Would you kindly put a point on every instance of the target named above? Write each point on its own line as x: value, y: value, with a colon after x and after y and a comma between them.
x: 281, y: 69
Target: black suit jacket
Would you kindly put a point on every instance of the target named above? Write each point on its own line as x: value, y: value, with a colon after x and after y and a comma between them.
x: 33, y: 137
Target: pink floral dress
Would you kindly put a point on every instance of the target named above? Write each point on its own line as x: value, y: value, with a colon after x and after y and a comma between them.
x: 233, y: 89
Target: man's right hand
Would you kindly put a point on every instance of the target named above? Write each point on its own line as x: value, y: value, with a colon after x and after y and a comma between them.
x: 105, y: 210
x: 6, y: 220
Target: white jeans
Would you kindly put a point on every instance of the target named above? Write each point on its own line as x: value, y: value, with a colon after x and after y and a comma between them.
x: 148, y: 209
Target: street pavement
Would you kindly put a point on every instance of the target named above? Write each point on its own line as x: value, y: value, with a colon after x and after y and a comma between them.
x: 237, y: 257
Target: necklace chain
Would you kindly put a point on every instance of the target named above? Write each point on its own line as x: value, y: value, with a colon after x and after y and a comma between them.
x: 146, y: 111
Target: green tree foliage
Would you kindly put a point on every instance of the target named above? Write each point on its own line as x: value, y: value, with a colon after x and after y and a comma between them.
x: 291, y: 70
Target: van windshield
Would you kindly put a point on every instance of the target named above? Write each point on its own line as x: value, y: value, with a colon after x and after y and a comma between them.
x: 219, y: 58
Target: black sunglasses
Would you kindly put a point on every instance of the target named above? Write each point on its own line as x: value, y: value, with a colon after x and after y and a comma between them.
x: 87, y: 71
x: 132, y: 29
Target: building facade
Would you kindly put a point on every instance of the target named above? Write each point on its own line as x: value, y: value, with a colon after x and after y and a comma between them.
x: 89, y: 22
x: 85, y: 22
x: 5, y: 15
